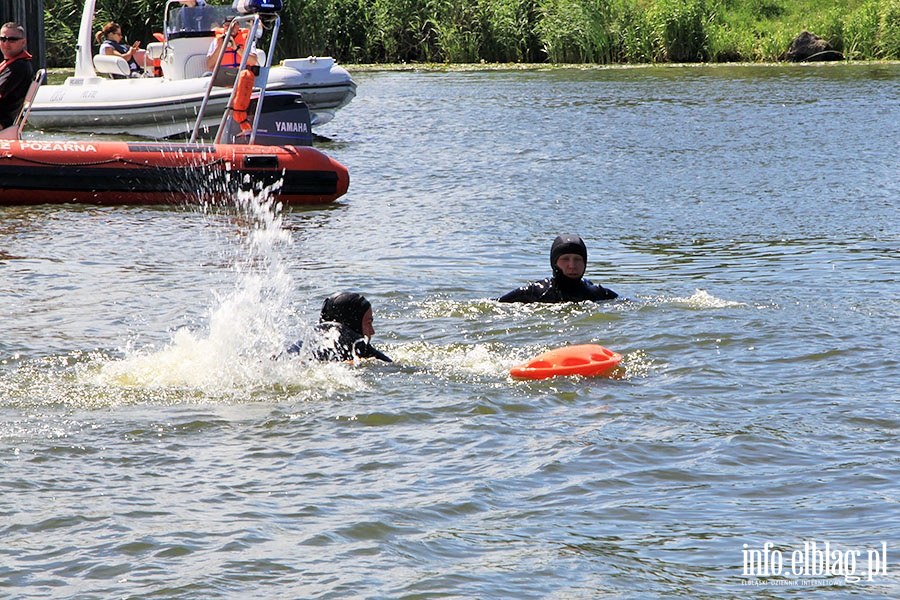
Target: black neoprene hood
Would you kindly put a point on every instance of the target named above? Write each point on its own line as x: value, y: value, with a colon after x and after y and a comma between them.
x: 346, y: 308
x: 567, y: 243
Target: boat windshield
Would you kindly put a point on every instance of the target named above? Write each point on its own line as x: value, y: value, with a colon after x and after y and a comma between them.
x: 188, y: 21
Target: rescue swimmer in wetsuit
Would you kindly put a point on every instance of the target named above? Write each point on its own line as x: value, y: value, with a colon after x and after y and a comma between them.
x: 568, y: 259
x: 343, y: 331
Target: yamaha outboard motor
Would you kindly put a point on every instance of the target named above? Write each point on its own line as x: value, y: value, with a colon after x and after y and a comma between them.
x: 285, y: 120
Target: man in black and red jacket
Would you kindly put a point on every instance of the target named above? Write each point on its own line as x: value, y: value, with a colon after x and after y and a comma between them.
x: 16, y: 72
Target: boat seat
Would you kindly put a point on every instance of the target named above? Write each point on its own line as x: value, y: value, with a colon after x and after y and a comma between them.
x: 107, y: 64
x: 155, y: 50
x: 195, y: 66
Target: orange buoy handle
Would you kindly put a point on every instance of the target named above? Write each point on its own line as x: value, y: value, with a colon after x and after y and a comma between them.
x: 243, y: 89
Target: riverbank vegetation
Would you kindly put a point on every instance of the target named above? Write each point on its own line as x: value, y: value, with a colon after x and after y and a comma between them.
x: 534, y: 31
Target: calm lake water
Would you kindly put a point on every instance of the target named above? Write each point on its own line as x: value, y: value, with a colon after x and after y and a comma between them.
x: 151, y: 448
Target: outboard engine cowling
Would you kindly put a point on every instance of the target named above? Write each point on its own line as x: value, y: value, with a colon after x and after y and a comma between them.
x: 284, y: 121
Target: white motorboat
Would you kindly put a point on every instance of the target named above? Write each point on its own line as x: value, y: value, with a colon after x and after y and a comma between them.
x: 101, y: 97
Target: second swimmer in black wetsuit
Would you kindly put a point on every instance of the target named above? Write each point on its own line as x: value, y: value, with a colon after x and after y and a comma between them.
x: 568, y: 259
x: 343, y: 331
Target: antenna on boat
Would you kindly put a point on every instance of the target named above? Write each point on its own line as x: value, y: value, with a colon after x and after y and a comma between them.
x: 84, y: 66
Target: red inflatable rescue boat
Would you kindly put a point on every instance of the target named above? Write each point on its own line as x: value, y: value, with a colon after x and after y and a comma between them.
x: 264, y: 140
x: 109, y: 172
x: 587, y: 360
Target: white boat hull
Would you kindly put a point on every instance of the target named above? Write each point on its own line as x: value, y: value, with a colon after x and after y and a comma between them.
x: 167, y: 105
x: 158, y: 107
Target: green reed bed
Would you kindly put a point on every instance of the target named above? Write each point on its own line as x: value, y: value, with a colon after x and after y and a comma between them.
x: 537, y: 31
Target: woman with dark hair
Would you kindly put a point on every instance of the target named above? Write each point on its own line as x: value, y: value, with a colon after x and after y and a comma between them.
x: 343, y: 331
x: 110, y: 40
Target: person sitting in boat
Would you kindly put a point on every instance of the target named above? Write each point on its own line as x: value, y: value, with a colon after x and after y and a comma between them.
x: 234, y: 51
x: 343, y: 331
x: 16, y: 72
x: 192, y: 16
x: 110, y: 40
x: 568, y: 259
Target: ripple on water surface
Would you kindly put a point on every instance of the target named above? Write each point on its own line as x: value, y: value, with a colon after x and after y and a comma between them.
x: 156, y: 446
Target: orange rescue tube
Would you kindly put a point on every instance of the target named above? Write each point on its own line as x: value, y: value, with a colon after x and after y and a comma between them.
x: 587, y: 360
x: 242, y: 91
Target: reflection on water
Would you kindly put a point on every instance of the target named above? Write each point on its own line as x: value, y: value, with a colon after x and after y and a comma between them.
x: 155, y: 448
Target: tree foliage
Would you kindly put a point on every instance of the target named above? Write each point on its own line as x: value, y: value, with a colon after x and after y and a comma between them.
x: 558, y: 31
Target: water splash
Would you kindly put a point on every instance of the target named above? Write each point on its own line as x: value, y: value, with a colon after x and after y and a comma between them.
x: 457, y: 361
x: 235, y: 352
x: 702, y: 299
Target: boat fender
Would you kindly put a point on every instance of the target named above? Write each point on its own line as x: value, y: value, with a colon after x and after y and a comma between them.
x: 243, y: 89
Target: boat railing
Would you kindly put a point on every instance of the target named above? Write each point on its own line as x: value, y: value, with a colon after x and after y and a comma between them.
x: 253, y: 22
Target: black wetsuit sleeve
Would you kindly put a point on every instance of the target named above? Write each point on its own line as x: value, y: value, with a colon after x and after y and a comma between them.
x: 517, y: 295
x: 536, y: 291
x: 363, y: 349
x: 598, y: 292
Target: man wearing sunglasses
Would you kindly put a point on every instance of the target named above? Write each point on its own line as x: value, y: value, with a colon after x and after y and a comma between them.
x: 16, y: 72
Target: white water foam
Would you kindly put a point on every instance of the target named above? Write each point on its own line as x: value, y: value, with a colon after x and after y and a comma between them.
x: 702, y: 299
x: 237, y: 351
